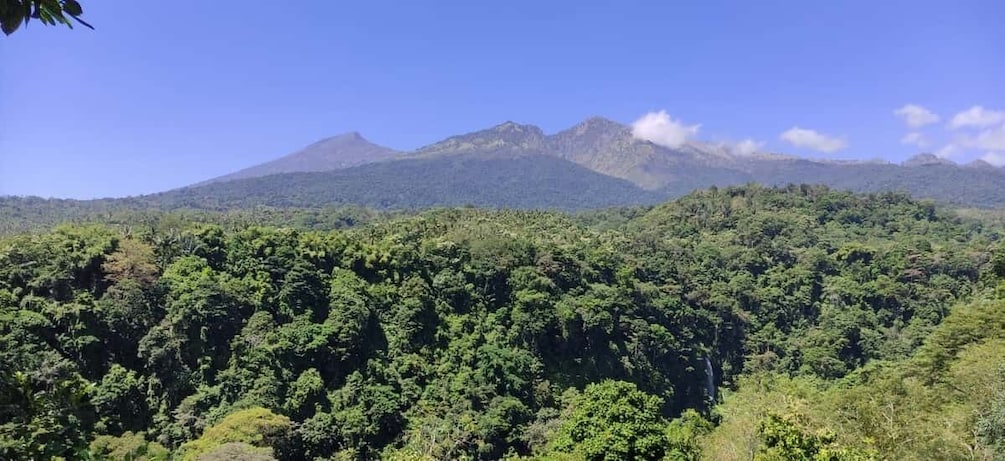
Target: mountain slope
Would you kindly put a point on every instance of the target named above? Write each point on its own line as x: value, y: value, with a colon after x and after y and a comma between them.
x: 598, y: 144
x: 507, y: 138
x: 335, y: 153
x: 609, y: 148
x: 480, y: 179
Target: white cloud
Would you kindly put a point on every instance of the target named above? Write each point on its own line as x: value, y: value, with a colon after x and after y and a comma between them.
x: 810, y: 139
x: 977, y: 116
x: 916, y: 116
x: 949, y: 150
x: 995, y: 158
x: 993, y: 139
x: 659, y: 128
x: 747, y: 147
x: 915, y: 138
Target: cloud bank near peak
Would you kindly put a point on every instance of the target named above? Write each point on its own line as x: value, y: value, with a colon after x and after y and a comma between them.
x: 813, y: 140
x: 977, y: 117
x: 747, y: 147
x: 995, y: 158
x: 659, y: 128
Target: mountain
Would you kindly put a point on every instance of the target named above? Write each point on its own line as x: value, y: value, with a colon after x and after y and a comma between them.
x: 491, y: 180
x: 599, y: 144
x: 980, y: 165
x: 335, y: 153
x: 508, y: 138
x: 926, y: 160
x: 610, y: 148
x: 597, y: 163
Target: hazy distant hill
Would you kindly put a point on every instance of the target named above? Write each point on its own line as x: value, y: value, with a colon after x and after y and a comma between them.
x: 942, y: 181
x: 335, y: 153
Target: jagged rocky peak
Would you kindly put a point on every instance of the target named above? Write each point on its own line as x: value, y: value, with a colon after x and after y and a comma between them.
x: 517, y: 128
x: 597, y: 123
x: 593, y: 132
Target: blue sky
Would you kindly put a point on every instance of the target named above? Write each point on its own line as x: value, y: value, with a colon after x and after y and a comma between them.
x: 164, y: 94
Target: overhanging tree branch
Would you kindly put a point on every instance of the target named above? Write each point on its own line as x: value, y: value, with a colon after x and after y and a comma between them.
x: 14, y: 13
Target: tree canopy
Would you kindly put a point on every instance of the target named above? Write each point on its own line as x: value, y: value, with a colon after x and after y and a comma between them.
x: 474, y: 334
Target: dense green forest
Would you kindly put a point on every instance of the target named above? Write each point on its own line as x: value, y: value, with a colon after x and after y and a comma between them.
x: 33, y: 215
x: 740, y: 323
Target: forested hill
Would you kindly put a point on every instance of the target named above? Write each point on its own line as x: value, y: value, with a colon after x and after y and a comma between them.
x: 475, y: 334
x: 489, y: 181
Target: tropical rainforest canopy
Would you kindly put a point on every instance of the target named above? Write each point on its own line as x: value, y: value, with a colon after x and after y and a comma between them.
x: 774, y: 324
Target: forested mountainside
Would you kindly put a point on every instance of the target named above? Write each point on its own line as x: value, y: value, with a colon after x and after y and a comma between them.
x: 793, y: 323
x: 490, y: 181
x: 518, y: 166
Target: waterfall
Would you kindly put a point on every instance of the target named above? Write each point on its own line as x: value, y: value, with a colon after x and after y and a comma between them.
x: 709, y: 379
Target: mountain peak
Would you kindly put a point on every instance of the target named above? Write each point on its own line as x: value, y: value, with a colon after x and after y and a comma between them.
x: 517, y: 128
x: 335, y: 153
x: 980, y: 164
x: 926, y: 159
x: 597, y: 123
x: 508, y: 136
x: 350, y: 136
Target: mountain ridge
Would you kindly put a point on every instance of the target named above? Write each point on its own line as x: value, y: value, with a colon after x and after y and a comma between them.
x: 597, y: 143
x: 596, y: 163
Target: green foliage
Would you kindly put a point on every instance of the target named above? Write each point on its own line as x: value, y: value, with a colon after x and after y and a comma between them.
x: 35, y: 215
x: 44, y: 414
x: 684, y: 436
x: 613, y: 420
x: 48, y: 12
x: 237, y: 451
x: 120, y: 400
x: 474, y: 334
x: 784, y: 441
x: 916, y: 409
x: 128, y: 446
x: 255, y: 427
x: 991, y: 427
